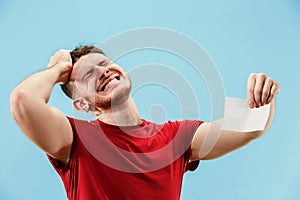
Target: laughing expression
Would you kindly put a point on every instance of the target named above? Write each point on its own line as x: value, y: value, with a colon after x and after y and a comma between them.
x: 100, y: 81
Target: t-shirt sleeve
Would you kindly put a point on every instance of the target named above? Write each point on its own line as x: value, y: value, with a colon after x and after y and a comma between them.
x: 60, y: 167
x: 190, y: 127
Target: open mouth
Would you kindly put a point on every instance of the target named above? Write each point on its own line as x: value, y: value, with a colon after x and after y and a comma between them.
x: 113, y: 80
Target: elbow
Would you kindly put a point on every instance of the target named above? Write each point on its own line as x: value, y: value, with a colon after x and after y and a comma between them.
x: 256, y: 134
x: 17, y: 102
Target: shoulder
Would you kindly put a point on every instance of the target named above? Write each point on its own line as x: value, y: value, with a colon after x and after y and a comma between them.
x: 184, y: 124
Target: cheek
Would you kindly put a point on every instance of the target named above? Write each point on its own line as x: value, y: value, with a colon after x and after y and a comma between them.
x: 85, y: 89
x: 125, y: 87
x: 90, y: 88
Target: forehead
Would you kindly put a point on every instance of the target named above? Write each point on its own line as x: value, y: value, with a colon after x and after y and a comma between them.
x: 84, y: 63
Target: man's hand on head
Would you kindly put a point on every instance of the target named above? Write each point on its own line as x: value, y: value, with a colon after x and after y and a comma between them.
x: 262, y: 90
x: 62, y: 61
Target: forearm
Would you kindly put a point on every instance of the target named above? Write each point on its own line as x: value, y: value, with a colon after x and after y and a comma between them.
x: 32, y: 95
x: 261, y: 91
x: 38, y: 87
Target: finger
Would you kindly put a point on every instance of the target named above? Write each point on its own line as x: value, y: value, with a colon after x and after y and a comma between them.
x: 274, y: 91
x: 50, y: 63
x: 66, y: 55
x: 251, y: 85
x: 260, y: 81
x: 266, y: 91
x: 61, y: 55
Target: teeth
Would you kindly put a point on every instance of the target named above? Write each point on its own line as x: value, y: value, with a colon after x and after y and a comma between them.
x: 110, y: 83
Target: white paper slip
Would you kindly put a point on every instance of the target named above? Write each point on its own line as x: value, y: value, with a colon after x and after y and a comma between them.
x: 240, y: 117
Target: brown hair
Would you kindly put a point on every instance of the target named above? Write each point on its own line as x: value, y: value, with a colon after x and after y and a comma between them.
x: 75, y: 55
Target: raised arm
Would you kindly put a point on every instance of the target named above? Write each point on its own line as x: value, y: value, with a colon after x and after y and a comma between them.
x: 262, y: 90
x: 45, y: 125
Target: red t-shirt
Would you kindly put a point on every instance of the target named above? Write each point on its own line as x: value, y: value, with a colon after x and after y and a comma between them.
x: 133, y: 162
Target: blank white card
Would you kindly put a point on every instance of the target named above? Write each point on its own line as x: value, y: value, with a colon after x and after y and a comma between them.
x: 240, y: 117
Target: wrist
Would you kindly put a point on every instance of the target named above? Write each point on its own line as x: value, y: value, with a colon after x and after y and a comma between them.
x: 54, y: 73
x: 61, y: 73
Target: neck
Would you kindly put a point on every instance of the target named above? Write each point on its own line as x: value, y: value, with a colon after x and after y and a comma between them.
x: 125, y: 114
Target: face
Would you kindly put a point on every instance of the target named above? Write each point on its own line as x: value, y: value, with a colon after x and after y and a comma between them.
x: 100, y: 81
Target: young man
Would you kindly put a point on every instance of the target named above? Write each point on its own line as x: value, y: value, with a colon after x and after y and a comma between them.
x: 141, y: 160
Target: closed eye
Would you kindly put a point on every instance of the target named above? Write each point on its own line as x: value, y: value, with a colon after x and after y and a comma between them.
x: 104, y: 63
x: 88, y: 74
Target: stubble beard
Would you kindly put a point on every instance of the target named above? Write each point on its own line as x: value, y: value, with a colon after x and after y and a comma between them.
x: 118, y: 97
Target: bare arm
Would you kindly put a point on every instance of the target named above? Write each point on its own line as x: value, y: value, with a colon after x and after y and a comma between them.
x: 261, y: 90
x: 45, y: 125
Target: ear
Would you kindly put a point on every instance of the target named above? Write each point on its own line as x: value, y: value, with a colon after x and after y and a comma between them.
x: 81, y: 104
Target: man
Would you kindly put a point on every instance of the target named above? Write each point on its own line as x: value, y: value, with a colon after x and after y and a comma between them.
x: 131, y: 168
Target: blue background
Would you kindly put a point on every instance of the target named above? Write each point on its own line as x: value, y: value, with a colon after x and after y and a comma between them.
x: 240, y: 36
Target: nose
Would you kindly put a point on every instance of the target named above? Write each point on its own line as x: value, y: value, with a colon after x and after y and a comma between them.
x: 103, y: 72
x: 106, y: 72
